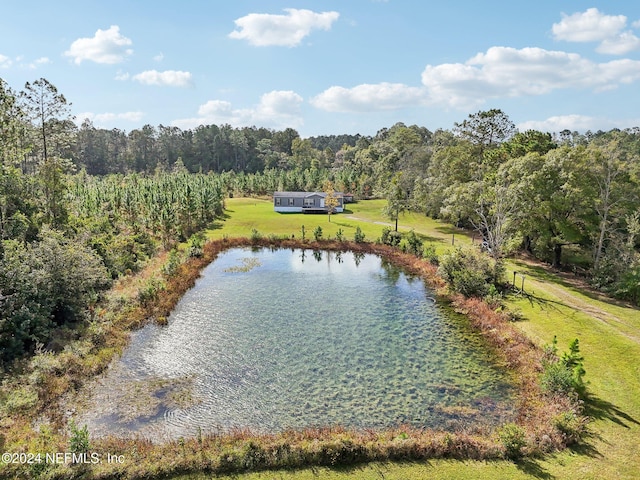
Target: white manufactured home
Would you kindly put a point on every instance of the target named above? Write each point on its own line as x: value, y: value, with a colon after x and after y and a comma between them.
x: 304, y: 202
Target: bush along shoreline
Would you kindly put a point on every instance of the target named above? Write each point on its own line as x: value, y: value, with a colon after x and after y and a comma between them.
x: 35, y: 416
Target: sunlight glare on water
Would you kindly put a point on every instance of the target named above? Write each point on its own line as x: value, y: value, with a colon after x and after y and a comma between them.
x: 276, y: 339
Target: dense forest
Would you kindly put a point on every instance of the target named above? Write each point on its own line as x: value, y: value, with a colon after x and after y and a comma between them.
x: 82, y: 206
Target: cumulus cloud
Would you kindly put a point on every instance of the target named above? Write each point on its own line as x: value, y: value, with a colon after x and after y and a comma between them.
x: 497, y: 73
x: 277, y: 109
x: 38, y: 62
x: 588, y: 26
x: 5, y: 62
x: 107, y: 119
x: 559, y: 123
x: 510, y: 72
x: 575, y: 122
x: 263, y: 29
x: 169, y: 78
x: 106, y: 46
x: 369, y: 97
x: 620, y: 44
x: 594, y: 26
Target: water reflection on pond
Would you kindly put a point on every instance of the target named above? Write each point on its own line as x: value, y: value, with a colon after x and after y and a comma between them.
x: 275, y: 339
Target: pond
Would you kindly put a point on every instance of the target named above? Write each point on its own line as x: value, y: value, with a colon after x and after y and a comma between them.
x: 275, y: 339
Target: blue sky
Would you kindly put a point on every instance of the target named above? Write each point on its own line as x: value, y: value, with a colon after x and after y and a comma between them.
x: 330, y: 67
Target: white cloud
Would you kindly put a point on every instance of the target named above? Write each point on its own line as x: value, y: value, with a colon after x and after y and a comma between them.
x: 276, y: 109
x: 620, y: 44
x: 594, y: 26
x: 39, y: 61
x: 5, y: 62
x: 106, y: 46
x: 122, y: 76
x: 509, y: 72
x: 263, y: 29
x: 105, y: 119
x: 369, y: 97
x: 575, y: 122
x: 558, y: 123
x: 158, y: 58
x: 588, y: 26
x: 497, y: 73
x: 169, y: 78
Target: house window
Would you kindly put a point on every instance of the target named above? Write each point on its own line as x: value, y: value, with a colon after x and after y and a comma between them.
x: 277, y: 202
x: 309, y: 202
x: 291, y: 202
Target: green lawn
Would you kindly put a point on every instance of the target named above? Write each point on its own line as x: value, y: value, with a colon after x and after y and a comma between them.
x: 245, y: 214
x: 609, y: 337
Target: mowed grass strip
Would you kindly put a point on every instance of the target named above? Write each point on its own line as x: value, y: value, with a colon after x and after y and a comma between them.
x: 554, y: 307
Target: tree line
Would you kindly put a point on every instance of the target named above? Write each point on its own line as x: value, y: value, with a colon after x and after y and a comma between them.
x: 81, y: 206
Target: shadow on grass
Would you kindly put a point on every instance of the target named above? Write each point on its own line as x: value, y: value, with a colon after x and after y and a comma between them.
x: 544, y: 274
x: 449, y: 230
x: 381, y: 468
x: 533, y: 468
x: 342, y: 224
x: 453, y: 230
x: 428, y: 238
x: 600, y: 409
x: 534, y: 300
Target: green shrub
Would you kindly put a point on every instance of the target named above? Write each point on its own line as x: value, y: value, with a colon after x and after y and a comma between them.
x: 468, y: 271
x: 429, y: 253
x: 173, y: 262
x: 493, y: 297
x: 195, y: 246
x: 390, y: 237
x: 358, y: 237
x: 513, y: 439
x: 556, y: 379
x: 628, y: 288
x: 563, y: 374
x: 340, y: 235
x: 317, y: 233
x: 414, y: 243
x: 21, y: 399
x: 150, y: 291
x: 571, y: 424
x: 79, y: 440
x: 255, y: 235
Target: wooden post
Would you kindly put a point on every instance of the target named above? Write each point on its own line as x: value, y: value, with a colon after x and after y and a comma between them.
x: 514, y: 279
x: 453, y: 239
x: 522, y: 287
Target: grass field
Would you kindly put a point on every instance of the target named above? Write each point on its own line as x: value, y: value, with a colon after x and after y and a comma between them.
x: 245, y: 214
x: 609, y: 335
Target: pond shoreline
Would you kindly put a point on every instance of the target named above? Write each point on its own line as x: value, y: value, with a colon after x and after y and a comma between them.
x: 243, y: 451
x: 352, y: 340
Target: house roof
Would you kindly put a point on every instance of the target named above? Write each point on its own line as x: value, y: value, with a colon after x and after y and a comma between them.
x: 303, y: 194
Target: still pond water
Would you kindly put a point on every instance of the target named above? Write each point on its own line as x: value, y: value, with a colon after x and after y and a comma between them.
x: 276, y: 339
